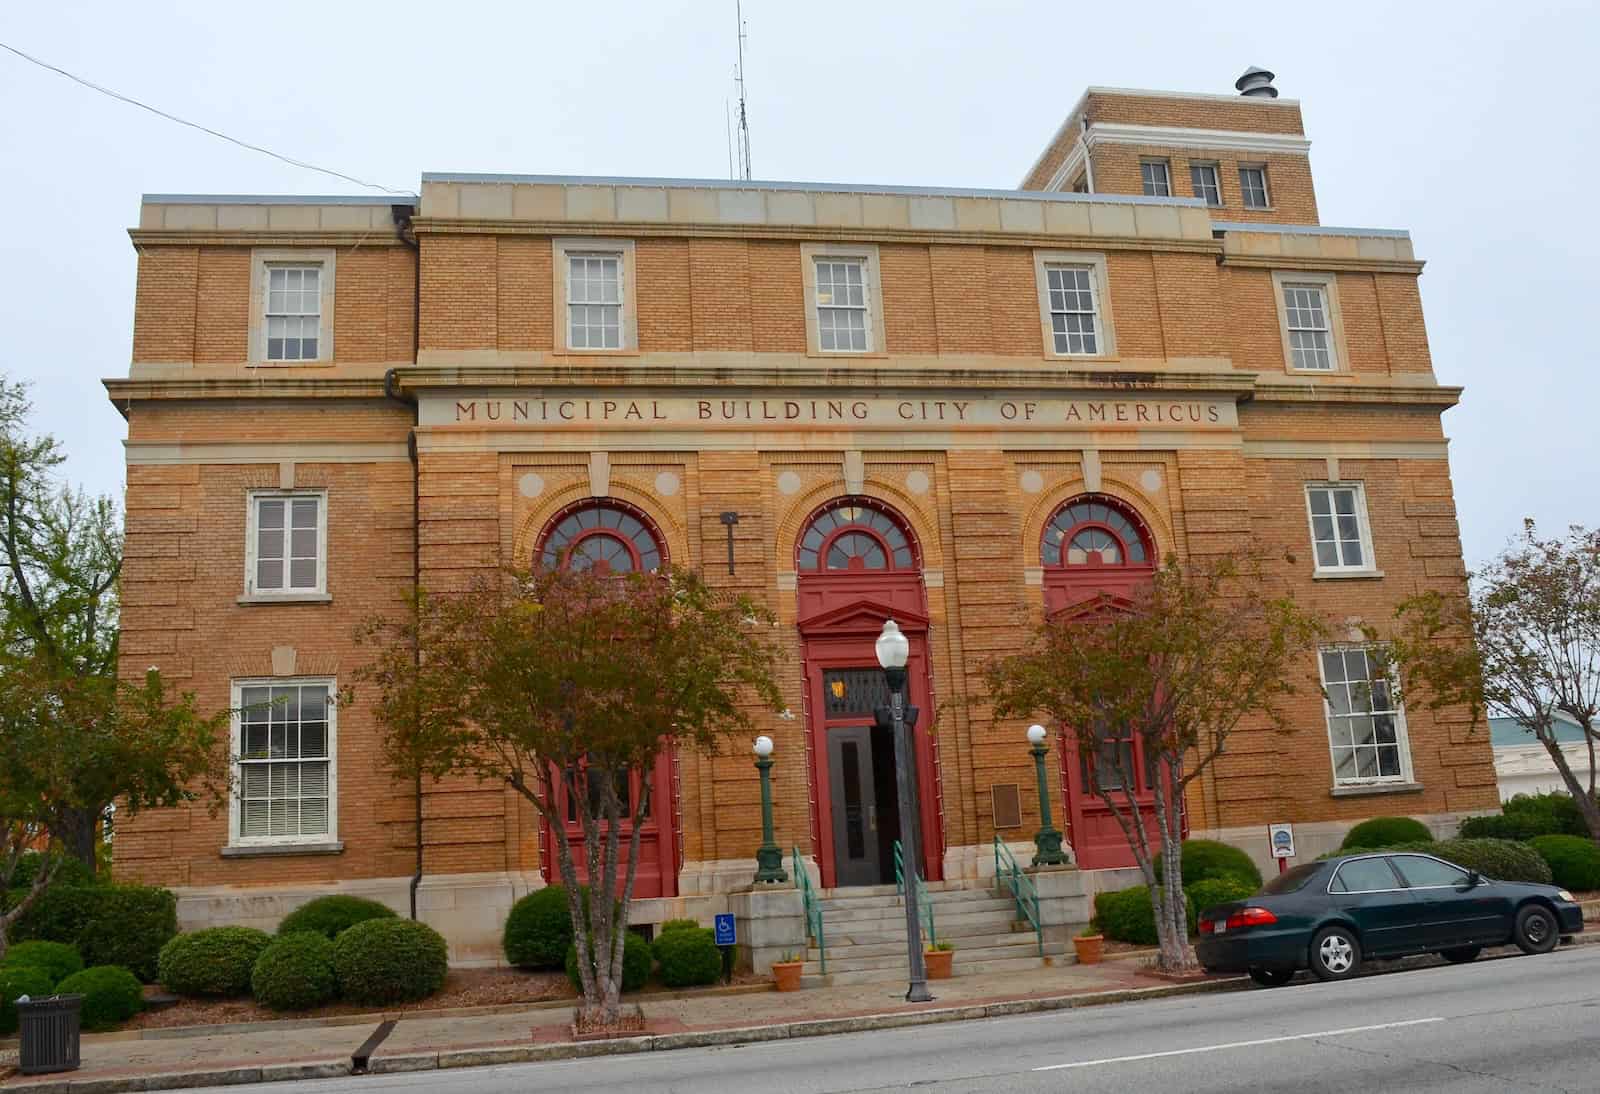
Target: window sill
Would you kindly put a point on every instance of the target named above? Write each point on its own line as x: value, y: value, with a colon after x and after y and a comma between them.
x: 285, y: 598
x: 1369, y: 789
x: 848, y: 354
x: 1346, y: 575
x: 257, y: 850
x: 621, y: 351
x: 320, y: 363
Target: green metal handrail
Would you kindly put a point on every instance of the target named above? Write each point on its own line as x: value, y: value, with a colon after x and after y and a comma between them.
x: 924, y: 901
x: 1010, y: 875
x: 813, y: 909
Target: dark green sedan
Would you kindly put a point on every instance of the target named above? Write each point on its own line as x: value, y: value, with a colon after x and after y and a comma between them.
x: 1330, y: 916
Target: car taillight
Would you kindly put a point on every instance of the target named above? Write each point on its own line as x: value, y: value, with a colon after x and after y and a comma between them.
x: 1250, y: 917
x: 1205, y: 926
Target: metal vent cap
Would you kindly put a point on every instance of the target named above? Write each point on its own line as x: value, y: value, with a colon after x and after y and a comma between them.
x: 1256, y: 83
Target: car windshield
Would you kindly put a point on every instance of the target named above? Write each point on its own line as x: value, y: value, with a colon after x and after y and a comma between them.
x: 1292, y: 881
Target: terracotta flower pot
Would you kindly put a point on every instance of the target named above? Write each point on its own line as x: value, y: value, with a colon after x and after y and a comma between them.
x: 787, y: 974
x: 1090, y: 948
x: 938, y: 963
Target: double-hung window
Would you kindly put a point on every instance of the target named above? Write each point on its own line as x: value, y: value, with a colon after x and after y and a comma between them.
x: 286, y: 553
x: 1253, y: 187
x: 1366, y: 726
x: 294, y: 313
x: 594, y: 301
x: 843, y: 320
x: 1340, y: 535
x: 1156, y: 179
x: 284, y: 760
x: 1074, y: 314
x: 1203, y: 179
x: 1305, y: 311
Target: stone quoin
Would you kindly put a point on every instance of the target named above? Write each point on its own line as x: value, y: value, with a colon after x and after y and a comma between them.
x: 961, y: 409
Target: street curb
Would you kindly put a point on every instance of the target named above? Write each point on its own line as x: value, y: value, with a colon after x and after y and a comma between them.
x: 515, y: 1054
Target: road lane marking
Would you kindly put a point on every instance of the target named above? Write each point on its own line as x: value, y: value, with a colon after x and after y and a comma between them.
x: 1238, y: 1044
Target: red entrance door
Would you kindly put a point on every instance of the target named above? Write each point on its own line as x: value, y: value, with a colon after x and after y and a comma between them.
x: 657, y: 874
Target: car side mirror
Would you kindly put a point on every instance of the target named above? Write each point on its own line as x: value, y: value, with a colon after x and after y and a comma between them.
x: 1474, y: 879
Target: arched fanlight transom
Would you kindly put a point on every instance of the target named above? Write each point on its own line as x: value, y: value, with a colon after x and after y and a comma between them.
x: 1094, y: 531
x: 854, y: 536
x: 603, y: 536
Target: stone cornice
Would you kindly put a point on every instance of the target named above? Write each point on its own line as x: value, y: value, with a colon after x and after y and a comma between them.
x: 1324, y: 263
x: 123, y: 393
x: 213, y: 237
x: 1267, y: 391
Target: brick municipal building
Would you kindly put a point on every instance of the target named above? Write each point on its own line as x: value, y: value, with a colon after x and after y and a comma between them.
x: 963, y: 409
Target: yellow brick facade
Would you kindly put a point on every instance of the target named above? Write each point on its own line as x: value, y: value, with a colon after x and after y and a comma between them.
x: 447, y: 431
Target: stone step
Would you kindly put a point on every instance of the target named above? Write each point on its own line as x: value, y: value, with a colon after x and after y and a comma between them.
x: 853, y: 892
x: 852, y: 960
x: 875, y: 930
x: 892, y: 899
x: 963, y: 942
x: 971, y: 968
x: 891, y: 912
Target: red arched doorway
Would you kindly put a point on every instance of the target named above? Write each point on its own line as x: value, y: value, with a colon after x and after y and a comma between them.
x: 858, y: 565
x: 612, y: 537
x: 1096, y: 553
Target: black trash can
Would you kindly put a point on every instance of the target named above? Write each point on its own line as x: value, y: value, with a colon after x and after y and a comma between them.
x: 49, y: 1030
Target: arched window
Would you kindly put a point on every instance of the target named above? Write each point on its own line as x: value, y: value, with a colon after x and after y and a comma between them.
x: 607, y: 536
x: 854, y: 535
x: 1092, y: 530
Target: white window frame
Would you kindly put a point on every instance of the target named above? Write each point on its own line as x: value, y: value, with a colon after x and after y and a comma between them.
x: 1095, y: 264
x: 1244, y: 189
x: 872, y: 290
x: 563, y: 250
x: 235, y: 753
x: 1149, y: 184
x: 1328, y: 284
x: 264, y: 259
x: 252, y: 546
x: 1369, y: 563
x: 1402, y: 738
x: 1214, y: 170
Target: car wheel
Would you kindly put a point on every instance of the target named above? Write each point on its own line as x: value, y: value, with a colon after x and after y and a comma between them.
x: 1461, y: 955
x: 1536, y: 930
x: 1335, y: 954
x: 1271, y: 978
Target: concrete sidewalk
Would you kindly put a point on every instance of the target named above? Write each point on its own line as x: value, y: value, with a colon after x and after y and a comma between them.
x: 306, y: 1050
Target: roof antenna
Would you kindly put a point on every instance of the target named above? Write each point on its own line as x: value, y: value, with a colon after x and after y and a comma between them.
x: 744, y: 118
x: 727, y: 125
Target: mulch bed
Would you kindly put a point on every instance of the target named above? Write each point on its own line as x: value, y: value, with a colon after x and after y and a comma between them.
x: 462, y: 988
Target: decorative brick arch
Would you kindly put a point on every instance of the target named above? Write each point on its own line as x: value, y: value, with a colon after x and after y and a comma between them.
x: 531, y: 526
x: 1150, y: 515
x: 906, y: 509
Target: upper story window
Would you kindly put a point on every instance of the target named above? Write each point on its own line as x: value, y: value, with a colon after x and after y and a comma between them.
x: 594, y: 301
x: 284, y: 762
x: 1253, y: 187
x: 1340, y: 535
x: 844, y: 312
x: 1207, y: 186
x: 1305, y: 309
x: 594, y: 282
x: 291, y: 311
x: 1156, y: 178
x: 1366, y: 727
x: 286, y: 552
x: 607, y: 537
x: 1073, y: 305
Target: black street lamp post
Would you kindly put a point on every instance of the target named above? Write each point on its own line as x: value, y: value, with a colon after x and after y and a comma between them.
x: 893, y: 651
x: 769, y: 856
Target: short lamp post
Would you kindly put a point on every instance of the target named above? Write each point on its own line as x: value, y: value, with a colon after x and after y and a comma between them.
x: 769, y: 856
x: 893, y: 651
x: 1047, y: 841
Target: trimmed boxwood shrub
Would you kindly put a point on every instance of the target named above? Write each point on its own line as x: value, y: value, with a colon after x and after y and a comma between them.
x: 680, y: 925
x: 688, y: 956
x: 215, y: 961
x: 1214, y: 891
x: 56, y: 958
x: 539, y: 929
x: 1574, y: 861
x: 330, y: 916
x: 390, y: 961
x: 295, y: 972
x: 111, y: 995
x: 636, y: 961
x: 1204, y: 859
x: 122, y: 925
x: 1527, y: 816
x: 18, y: 980
x: 1383, y: 831
x: 1126, y: 915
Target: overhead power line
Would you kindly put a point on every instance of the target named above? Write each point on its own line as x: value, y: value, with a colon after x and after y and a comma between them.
x: 290, y: 160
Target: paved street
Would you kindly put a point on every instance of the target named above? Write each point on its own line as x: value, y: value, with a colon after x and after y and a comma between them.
x: 1498, y: 1025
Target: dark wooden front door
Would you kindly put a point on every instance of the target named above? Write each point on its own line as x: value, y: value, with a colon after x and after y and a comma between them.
x: 851, y: 773
x: 657, y: 875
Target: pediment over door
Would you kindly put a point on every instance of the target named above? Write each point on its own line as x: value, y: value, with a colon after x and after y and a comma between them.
x: 863, y: 616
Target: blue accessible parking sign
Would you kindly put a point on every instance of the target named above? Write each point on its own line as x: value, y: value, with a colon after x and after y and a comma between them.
x: 726, y: 935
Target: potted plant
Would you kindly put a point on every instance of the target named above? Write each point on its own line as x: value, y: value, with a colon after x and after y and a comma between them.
x: 786, y: 972
x: 1090, y: 944
x: 938, y: 958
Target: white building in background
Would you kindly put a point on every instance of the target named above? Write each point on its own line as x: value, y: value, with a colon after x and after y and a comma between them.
x: 1523, y: 766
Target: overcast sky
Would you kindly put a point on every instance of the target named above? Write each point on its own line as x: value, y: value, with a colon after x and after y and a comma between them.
x: 1474, y: 125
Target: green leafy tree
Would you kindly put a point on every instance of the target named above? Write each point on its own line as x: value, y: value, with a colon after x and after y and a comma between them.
x: 1173, y: 672
x: 74, y: 737
x: 1524, y: 642
x: 567, y: 680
